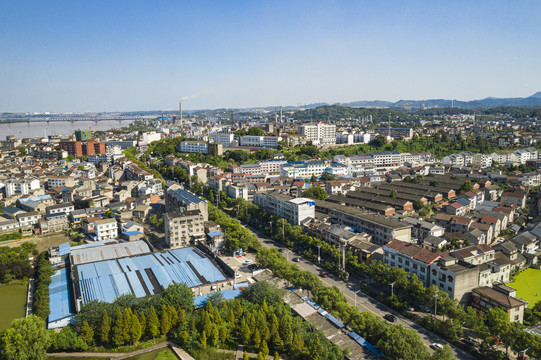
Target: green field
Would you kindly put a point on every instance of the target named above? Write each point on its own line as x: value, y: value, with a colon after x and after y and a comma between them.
x: 528, y: 285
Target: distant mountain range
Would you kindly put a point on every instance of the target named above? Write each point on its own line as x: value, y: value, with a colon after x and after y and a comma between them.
x: 531, y: 101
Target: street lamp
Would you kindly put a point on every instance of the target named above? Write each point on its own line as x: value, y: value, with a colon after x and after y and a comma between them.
x: 355, y: 293
x: 392, y: 285
x: 318, y: 253
x: 270, y: 222
x: 436, y: 296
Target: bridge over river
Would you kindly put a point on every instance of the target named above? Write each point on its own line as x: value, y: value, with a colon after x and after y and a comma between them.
x: 74, y: 119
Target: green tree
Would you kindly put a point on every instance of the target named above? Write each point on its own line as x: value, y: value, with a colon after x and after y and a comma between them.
x: 223, y: 334
x: 105, y: 327
x: 215, y: 336
x: 264, y: 349
x: 127, y: 317
x: 135, y: 329
x: 327, y: 177
x: 443, y: 354
x: 117, y: 336
x: 467, y: 186
x: 315, y: 192
x: 245, y: 356
x: 203, y: 340
x: 256, y: 338
x: 178, y: 294
x: 165, y: 321
x: 153, y: 324
x: 418, y: 204
x: 393, y: 194
x: 87, y: 333
x: 25, y: 339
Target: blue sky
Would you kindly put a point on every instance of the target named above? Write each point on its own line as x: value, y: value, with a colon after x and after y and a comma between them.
x: 63, y: 56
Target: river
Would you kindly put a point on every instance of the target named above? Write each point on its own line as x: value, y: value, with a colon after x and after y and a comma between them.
x: 36, y: 129
x: 12, y: 303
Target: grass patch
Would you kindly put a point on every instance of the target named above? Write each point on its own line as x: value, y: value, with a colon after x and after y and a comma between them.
x: 528, y: 285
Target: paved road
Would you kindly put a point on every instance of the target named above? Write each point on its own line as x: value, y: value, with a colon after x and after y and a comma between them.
x: 363, y: 301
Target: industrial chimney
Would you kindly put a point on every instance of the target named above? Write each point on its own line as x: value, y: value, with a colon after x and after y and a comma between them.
x: 180, y: 112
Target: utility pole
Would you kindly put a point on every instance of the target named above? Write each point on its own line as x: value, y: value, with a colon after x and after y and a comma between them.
x: 435, y: 305
x: 283, y: 230
x: 318, y: 254
x: 270, y: 222
x: 355, y: 293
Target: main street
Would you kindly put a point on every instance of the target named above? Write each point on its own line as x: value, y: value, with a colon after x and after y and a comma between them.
x: 363, y: 301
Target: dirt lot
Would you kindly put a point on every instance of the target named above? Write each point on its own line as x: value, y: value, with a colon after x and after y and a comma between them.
x: 44, y: 242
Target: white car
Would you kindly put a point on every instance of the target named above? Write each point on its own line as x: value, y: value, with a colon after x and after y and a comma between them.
x: 436, y: 346
x: 237, y: 275
x: 247, y: 262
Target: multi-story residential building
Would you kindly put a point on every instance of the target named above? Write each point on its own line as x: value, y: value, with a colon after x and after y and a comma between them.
x: 456, y: 277
x: 134, y: 172
x: 411, y: 258
x: 304, y: 168
x: 500, y: 296
x: 60, y: 181
x: 8, y: 225
x: 225, y: 139
x: 83, y: 148
x: 381, y: 228
x: 124, y: 144
x: 421, y: 229
x: 112, y: 153
x: 294, y: 210
x: 260, y: 141
x: 194, y: 147
x: 482, y: 160
x: 53, y: 223
x: 475, y: 254
x: 319, y: 134
x: 515, y: 198
x: 21, y: 186
x: 178, y: 200
x: 406, y: 133
x: 461, y: 159
x: 60, y: 208
x: 27, y: 221
x: 52, y: 154
x: 105, y: 229
x: 184, y: 228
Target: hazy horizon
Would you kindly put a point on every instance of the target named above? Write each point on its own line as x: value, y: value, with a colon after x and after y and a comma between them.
x: 62, y: 56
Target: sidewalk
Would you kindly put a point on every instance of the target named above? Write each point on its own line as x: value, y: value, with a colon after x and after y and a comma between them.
x: 112, y: 355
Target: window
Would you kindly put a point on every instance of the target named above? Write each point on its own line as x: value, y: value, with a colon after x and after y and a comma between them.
x: 407, y: 263
x: 400, y: 260
x: 449, y: 288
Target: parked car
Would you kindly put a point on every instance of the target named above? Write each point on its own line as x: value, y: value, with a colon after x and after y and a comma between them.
x: 436, y: 346
x: 237, y: 275
x: 247, y: 262
x: 390, y: 317
x: 296, y: 259
x: 323, y: 274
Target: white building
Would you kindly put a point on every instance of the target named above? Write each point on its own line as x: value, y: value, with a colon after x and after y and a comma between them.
x: 151, y: 136
x: 294, y: 210
x: 319, y: 134
x: 225, y: 139
x: 482, y: 160
x: 304, y: 168
x: 112, y: 153
x: 106, y: 229
x: 21, y: 186
x: 260, y: 141
x: 194, y: 147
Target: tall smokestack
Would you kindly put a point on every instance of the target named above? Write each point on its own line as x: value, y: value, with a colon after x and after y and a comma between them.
x: 180, y: 112
x: 280, y: 113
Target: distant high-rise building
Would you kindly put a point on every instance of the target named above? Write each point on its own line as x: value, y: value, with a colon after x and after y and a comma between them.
x: 83, y: 135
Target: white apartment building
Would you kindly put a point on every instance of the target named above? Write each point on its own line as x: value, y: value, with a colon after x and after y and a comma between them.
x: 59, y: 181
x: 21, y: 186
x: 151, y: 136
x: 260, y: 141
x: 194, y: 147
x: 111, y: 154
x: 345, y: 138
x: 106, y: 229
x: 304, y: 168
x: 294, y: 210
x: 481, y: 160
x: 461, y: 159
x: 271, y: 166
x: 60, y: 208
x: 28, y: 218
x: 225, y: 139
x: 409, y: 257
x: 124, y: 144
x: 319, y: 134
x: 184, y: 228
